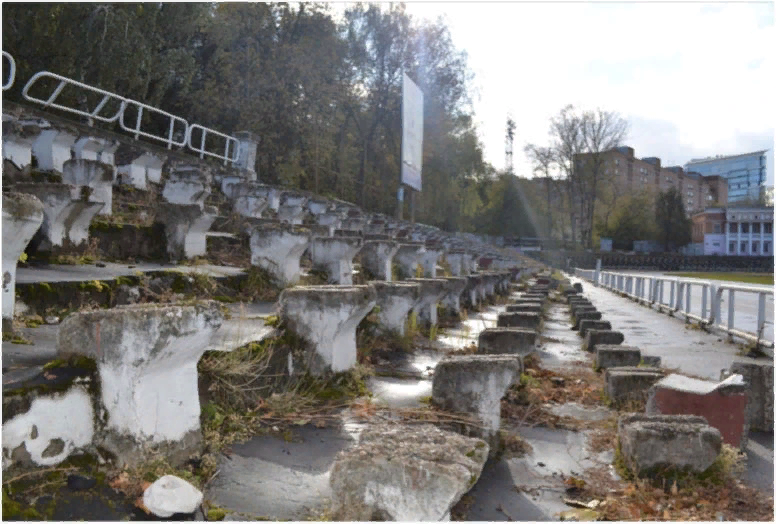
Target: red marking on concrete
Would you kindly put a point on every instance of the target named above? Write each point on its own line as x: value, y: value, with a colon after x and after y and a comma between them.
x: 724, y: 412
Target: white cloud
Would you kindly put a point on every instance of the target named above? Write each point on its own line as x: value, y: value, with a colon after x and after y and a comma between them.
x: 693, y: 79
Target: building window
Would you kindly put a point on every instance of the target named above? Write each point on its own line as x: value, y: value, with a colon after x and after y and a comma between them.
x: 755, y: 245
x: 745, y: 227
x: 768, y: 227
x: 733, y: 227
x: 717, y: 228
x: 743, y: 246
x: 732, y: 247
x: 617, y: 161
x: 756, y: 227
x: 766, y: 247
x: 709, y: 198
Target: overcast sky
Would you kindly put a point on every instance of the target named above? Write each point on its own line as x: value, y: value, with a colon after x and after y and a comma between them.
x: 693, y: 79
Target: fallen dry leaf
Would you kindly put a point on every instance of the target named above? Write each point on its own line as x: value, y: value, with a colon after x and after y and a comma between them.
x: 139, y: 503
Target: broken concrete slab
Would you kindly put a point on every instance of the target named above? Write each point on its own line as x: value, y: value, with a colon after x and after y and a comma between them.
x: 758, y: 375
x: 585, y: 325
x: 612, y: 356
x: 652, y: 442
x: 525, y: 307
x: 630, y: 383
x: 597, y: 337
x: 519, y: 320
x: 186, y: 228
x: 335, y: 256
x: 22, y: 216
x: 507, y: 341
x: 292, y: 208
x: 147, y: 359
x: 377, y: 257
x: 327, y: 317
x: 585, y: 315
x: 66, y: 213
x: 405, y: 473
x: 474, y: 385
x: 395, y: 300
x: 722, y: 404
x: 278, y: 249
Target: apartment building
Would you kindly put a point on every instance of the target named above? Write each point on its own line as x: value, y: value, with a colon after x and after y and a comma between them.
x: 631, y: 175
x: 745, y: 231
x: 745, y: 174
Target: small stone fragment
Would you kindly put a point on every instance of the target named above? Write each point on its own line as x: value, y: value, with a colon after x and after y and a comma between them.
x: 170, y: 495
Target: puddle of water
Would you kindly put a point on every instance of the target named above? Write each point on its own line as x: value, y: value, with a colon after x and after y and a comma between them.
x: 399, y: 392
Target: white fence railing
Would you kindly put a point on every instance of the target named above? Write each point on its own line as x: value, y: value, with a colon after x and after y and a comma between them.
x: 63, y: 81
x: 11, y: 71
x: 231, y: 154
x: 178, y: 130
x: 675, y: 295
x: 137, y: 131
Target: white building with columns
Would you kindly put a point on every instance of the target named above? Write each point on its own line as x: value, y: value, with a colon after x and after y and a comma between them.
x: 749, y: 231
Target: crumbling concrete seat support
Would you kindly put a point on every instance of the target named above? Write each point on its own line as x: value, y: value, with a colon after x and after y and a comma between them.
x: 327, y: 317
x: 474, y: 385
x: 431, y: 292
x: 472, y: 289
x: 147, y: 361
x: 335, y: 255
x: 408, y: 258
x: 292, y: 208
x: 330, y: 219
x: 186, y: 185
x: 52, y: 148
x: 186, y: 227
x: 278, y: 250
x: 452, y: 298
x: 455, y: 258
x: 142, y: 169
x: 377, y: 257
x: 429, y: 259
x: 66, y: 213
x: 395, y: 300
x: 95, y: 175
x: 248, y: 199
x: 22, y: 216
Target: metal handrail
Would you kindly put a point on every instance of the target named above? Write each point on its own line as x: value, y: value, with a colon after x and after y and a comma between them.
x: 226, y: 157
x: 63, y: 81
x: 679, y: 298
x: 231, y: 150
x: 138, y: 121
x: 12, y: 73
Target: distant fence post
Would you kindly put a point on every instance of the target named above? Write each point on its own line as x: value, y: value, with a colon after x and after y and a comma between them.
x: 597, y: 274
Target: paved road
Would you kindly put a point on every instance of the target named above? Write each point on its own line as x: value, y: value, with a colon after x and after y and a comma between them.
x: 746, y: 304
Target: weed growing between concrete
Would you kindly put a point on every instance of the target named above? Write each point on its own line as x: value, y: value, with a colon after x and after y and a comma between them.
x: 716, y: 494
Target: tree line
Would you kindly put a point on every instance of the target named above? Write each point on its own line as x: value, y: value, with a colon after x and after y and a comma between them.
x: 322, y: 93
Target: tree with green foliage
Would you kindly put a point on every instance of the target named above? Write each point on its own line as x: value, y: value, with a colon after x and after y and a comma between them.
x: 674, y: 229
x: 632, y: 219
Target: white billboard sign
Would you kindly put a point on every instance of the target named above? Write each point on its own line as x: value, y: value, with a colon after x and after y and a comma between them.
x: 412, y: 134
